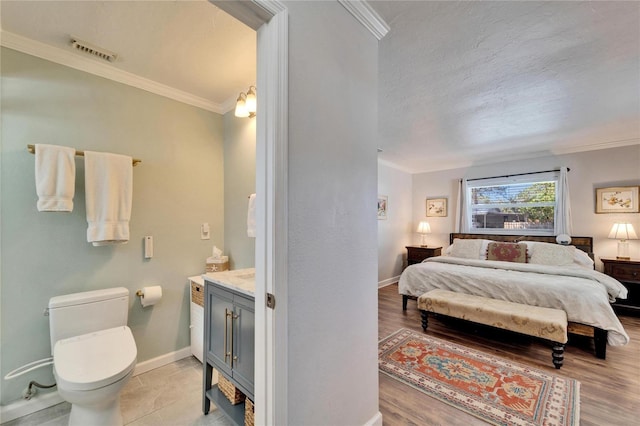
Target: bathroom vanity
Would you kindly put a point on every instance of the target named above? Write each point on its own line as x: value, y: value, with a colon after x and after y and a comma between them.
x: 229, y: 344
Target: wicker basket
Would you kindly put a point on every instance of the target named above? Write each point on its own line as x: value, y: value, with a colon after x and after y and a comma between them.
x: 248, y: 413
x: 197, y: 294
x: 218, y: 265
x: 227, y: 388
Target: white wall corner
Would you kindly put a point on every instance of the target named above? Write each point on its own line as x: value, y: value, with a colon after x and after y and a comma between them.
x: 388, y: 281
x: 364, y: 13
x: 376, y: 420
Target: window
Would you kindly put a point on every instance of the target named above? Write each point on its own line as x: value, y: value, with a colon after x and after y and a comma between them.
x: 513, y: 204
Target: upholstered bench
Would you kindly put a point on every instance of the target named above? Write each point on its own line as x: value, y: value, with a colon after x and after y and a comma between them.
x: 546, y: 323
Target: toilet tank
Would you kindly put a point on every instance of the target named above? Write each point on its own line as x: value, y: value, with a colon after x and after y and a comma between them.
x: 80, y: 313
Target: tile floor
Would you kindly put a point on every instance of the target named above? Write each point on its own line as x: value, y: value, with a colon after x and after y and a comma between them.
x: 167, y: 396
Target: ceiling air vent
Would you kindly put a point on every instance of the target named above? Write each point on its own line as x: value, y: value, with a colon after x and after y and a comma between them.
x: 94, y: 50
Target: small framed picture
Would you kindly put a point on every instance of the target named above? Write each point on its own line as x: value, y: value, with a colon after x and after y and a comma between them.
x: 621, y: 199
x: 382, y: 207
x: 436, y: 207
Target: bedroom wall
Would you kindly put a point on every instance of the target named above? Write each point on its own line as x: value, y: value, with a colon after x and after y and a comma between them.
x: 589, y: 170
x: 332, y: 267
x: 239, y: 183
x: 397, y: 231
x: 46, y: 254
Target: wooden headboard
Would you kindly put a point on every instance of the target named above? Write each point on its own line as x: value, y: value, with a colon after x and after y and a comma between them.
x: 583, y: 243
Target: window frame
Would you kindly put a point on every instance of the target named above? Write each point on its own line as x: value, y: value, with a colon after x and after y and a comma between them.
x: 551, y: 176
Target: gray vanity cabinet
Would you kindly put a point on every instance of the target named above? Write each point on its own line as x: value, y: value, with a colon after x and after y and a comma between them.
x: 229, y: 344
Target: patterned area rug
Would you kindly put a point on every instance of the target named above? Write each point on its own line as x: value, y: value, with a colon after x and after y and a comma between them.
x: 495, y: 390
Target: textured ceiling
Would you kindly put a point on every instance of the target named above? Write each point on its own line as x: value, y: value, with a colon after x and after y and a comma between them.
x: 191, y: 46
x: 465, y: 83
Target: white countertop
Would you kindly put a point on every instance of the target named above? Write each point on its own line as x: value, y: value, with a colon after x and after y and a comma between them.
x: 240, y: 280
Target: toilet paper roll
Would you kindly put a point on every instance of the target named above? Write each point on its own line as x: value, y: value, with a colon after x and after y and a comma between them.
x: 150, y: 295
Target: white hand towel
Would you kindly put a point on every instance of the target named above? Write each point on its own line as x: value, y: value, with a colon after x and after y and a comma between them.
x: 108, y: 194
x: 55, y: 177
x: 251, y: 217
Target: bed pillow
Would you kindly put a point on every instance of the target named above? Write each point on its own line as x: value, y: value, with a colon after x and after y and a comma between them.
x: 553, y: 254
x: 580, y: 258
x: 507, y: 252
x: 468, y: 249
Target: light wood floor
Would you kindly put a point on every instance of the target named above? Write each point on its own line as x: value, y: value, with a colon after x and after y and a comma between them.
x: 610, y: 389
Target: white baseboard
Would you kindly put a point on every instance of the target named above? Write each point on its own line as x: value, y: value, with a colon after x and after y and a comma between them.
x: 39, y: 402
x: 159, y: 361
x: 388, y: 281
x: 23, y: 407
x: 376, y: 420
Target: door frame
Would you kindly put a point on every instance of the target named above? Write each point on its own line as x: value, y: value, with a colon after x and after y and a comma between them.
x: 270, y: 19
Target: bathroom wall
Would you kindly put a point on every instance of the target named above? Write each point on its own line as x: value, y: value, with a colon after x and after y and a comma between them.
x: 175, y: 189
x: 239, y: 183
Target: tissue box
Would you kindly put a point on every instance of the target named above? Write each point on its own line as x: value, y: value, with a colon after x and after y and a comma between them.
x: 217, y: 265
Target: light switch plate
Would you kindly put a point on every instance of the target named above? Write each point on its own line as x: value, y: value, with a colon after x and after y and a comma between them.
x: 205, y: 232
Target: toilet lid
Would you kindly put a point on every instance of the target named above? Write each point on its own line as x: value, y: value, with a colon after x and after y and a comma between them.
x: 94, y: 360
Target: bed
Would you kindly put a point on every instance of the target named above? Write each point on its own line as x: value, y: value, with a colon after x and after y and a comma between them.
x: 549, y: 275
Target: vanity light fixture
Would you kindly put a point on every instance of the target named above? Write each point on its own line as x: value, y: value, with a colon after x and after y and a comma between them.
x: 246, y: 105
x: 623, y: 232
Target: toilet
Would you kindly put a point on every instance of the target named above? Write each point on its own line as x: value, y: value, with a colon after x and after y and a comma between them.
x: 94, y: 353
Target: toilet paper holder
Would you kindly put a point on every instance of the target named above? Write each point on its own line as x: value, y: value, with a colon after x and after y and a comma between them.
x: 149, y: 296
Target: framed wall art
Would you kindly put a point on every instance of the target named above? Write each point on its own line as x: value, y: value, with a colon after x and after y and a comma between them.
x: 620, y: 199
x: 382, y: 207
x: 436, y: 207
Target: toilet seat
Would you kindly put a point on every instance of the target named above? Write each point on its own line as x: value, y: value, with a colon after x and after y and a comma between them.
x: 94, y: 360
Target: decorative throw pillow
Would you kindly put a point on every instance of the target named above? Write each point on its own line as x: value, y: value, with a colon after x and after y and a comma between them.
x: 553, y: 254
x: 507, y: 252
x: 466, y: 249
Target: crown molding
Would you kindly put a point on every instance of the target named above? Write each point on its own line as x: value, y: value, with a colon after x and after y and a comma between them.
x: 596, y: 146
x: 459, y: 164
x: 89, y: 65
x: 229, y: 104
x: 395, y: 166
x: 364, y: 13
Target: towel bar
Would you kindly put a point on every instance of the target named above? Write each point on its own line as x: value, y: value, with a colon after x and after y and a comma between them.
x: 32, y: 149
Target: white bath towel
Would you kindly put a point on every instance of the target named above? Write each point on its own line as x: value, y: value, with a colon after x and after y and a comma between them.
x: 55, y: 177
x: 108, y: 194
x: 251, y: 216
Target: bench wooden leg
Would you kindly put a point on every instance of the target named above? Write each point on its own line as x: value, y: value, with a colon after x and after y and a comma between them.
x: 557, y: 354
x: 425, y: 319
x: 600, y: 341
x: 404, y: 302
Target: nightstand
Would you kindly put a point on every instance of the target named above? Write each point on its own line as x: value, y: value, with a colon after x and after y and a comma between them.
x: 628, y: 273
x: 416, y: 254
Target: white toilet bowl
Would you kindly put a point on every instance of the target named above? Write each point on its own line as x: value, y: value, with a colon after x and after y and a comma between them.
x: 91, y: 370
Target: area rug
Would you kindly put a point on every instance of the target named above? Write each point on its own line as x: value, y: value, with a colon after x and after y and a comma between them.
x: 495, y: 390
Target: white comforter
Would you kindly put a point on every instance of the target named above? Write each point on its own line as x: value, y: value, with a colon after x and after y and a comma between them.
x: 583, y: 294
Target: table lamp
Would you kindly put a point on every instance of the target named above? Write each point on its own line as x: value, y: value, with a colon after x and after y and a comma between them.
x: 623, y: 232
x: 423, y: 228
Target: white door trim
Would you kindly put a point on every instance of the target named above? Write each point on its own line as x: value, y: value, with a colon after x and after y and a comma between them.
x: 270, y: 19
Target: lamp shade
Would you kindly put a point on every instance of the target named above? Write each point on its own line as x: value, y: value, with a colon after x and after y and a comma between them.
x: 251, y: 101
x: 241, y: 106
x: 623, y: 231
x: 424, y: 228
